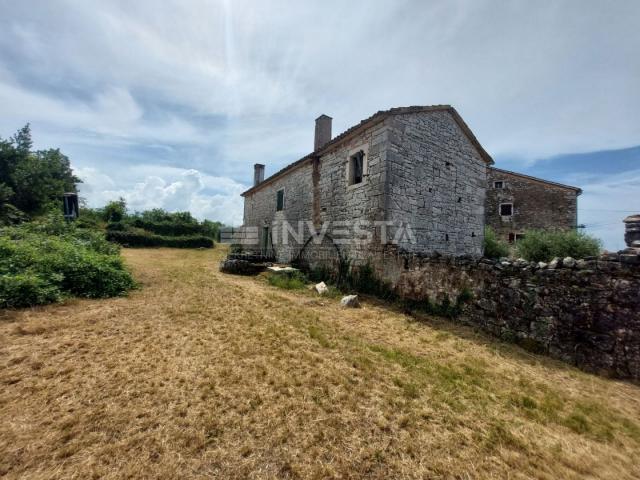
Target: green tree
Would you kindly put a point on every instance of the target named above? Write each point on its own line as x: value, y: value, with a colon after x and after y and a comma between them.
x: 37, y: 179
x: 115, y: 210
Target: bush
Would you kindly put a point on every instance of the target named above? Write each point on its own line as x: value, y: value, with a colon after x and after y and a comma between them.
x: 543, y: 246
x: 494, y: 247
x: 26, y: 289
x: 44, y: 262
x: 145, y: 239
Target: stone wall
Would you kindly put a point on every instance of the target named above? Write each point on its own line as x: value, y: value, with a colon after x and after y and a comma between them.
x: 537, y: 204
x: 584, y: 312
x: 436, y: 184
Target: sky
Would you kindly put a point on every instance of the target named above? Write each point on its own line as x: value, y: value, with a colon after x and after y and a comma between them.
x: 169, y: 104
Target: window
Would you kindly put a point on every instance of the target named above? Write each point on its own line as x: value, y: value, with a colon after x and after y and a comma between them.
x: 280, y: 201
x: 506, y: 209
x: 356, y: 167
x: 519, y: 236
x: 498, y: 185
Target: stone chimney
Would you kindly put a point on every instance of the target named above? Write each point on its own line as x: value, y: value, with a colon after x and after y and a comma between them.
x: 258, y: 174
x: 323, y: 132
x: 632, y: 231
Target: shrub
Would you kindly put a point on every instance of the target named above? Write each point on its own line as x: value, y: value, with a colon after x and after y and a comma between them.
x: 543, y: 246
x: 44, y: 262
x: 145, y: 239
x: 26, y: 289
x: 494, y: 247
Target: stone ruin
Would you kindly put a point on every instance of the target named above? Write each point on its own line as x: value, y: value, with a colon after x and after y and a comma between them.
x: 632, y: 231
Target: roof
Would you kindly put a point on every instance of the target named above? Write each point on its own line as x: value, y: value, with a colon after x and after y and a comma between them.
x: 536, y: 179
x: 369, y: 122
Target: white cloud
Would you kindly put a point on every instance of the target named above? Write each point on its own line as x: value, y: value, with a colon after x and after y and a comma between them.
x: 205, y: 196
x: 606, y: 201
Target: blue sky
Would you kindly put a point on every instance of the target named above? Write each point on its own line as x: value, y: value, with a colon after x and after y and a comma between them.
x: 169, y: 104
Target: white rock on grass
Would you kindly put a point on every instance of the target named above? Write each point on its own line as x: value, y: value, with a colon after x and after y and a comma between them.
x: 350, y: 301
x: 321, y: 288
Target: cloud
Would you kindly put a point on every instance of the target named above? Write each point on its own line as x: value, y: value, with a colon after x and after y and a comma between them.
x: 216, y: 86
x: 205, y: 196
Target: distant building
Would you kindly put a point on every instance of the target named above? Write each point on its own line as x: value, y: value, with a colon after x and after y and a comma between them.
x: 516, y: 203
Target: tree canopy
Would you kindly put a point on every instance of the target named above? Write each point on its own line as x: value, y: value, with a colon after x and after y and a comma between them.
x: 31, y: 181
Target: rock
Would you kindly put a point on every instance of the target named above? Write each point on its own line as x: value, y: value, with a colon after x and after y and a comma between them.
x: 350, y: 301
x: 555, y: 263
x: 568, y: 262
x: 542, y: 265
x: 582, y: 264
x: 321, y: 288
x: 630, y: 259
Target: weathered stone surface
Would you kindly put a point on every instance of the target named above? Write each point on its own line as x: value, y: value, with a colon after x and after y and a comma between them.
x: 586, y: 316
x: 240, y: 267
x: 537, y: 204
x: 321, y: 288
x: 568, y: 262
x: 350, y: 301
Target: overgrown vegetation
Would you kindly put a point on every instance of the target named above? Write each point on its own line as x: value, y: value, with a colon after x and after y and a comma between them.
x: 31, y: 182
x: 151, y: 228
x: 543, y: 246
x: 494, y: 248
x: 48, y: 260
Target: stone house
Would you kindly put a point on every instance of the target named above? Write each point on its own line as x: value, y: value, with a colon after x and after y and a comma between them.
x: 516, y: 203
x: 409, y: 180
x: 417, y: 166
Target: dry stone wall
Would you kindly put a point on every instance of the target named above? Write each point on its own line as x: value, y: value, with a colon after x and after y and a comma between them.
x: 584, y: 312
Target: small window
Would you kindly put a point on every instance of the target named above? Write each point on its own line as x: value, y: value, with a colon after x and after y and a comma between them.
x: 506, y: 209
x: 356, y: 167
x: 280, y: 201
x: 498, y: 184
x: 519, y: 236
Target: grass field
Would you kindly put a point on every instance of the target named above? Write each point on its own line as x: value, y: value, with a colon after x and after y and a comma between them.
x: 204, y: 375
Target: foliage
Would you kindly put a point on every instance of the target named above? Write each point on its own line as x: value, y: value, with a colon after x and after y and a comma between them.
x: 114, y: 211
x: 36, y: 180
x: 288, y: 281
x: 494, y: 247
x: 543, y: 246
x: 141, y: 238
x: 42, y: 262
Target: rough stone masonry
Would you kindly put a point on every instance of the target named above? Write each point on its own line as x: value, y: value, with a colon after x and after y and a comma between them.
x: 584, y: 312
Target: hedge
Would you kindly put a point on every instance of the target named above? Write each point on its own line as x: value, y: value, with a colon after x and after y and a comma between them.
x: 171, y: 229
x: 139, y: 239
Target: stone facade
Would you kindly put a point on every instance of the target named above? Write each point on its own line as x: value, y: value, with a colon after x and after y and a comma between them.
x: 535, y: 204
x: 584, y: 312
x: 422, y: 189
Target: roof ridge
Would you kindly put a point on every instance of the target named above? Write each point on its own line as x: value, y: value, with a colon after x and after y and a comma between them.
x: 381, y: 115
x: 531, y: 177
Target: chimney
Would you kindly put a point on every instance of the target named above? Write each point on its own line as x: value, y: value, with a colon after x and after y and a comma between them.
x: 323, y: 132
x: 258, y: 174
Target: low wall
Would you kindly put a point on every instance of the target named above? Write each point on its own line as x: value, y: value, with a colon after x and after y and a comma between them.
x: 584, y: 312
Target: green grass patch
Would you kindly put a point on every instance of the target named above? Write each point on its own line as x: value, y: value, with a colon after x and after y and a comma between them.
x: 286, y: 281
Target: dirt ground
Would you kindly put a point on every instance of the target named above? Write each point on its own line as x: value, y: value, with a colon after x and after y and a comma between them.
x: 199, y: 374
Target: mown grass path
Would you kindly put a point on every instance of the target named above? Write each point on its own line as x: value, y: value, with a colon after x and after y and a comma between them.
x: 204, y: 375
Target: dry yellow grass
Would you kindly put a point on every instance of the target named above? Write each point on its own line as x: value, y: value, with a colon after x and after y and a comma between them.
x: 205, y: 375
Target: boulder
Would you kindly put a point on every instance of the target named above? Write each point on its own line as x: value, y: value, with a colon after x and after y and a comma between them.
x: 542, y: 265
x: 555, y: 263
x: 568, y: 262
x: 350, y: 301
x: 321, y: 288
